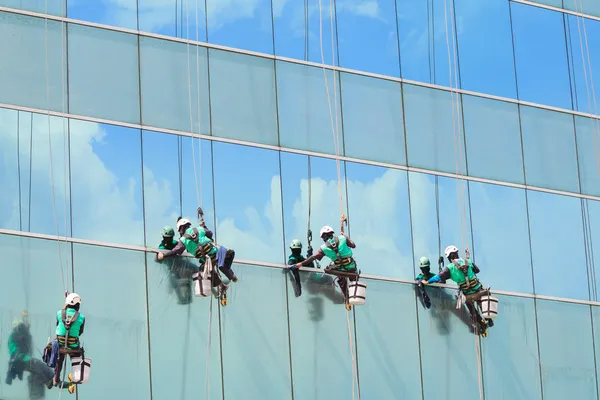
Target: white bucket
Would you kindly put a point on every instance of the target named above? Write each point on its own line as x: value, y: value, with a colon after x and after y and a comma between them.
x: 489, y: 307
x: 357, y: 292
x: 80, y: 368
x: 202, y: 287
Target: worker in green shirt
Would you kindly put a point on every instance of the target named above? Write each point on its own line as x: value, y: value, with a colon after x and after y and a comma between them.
x: 168, y: 241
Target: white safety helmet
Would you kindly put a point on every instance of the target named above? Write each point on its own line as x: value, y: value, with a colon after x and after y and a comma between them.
x: 182, y: 222
x: 73, y: 299
x: 449, y: 250
x: 325, y: 230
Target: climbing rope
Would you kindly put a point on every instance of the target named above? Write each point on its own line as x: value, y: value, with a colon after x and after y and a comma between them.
x: 460, y: 155
x: 335, y: 133
x: 593, y: 107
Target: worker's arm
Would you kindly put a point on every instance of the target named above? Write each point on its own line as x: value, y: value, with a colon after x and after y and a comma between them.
x: 444, y: 275
x: 81, y: 328
x: 475, y: 268
x: 208, y: 232
x: 318, y: 256
x: 177, y: 250
x: 349, y: 242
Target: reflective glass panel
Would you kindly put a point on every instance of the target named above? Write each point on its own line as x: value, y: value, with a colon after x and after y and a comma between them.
x: 168, y: 82
x: 427, y: 34
x: 564, y: 231
x: 106, y: 183
x: 454, y: 214
x: 103, y: 74
x: 583, y: 6
x: 320, y: 200
x: 252, y: 221
x: 241, y: 24
x: 40, y: 6
x: 566, y: 350
x: 511, y: 367
x: 592, y: 220
x: 373, y: 109
x: 250, y: 114
x: 384, y: 192
x: 500, y: 219
x: 38, y: 275
x: 549, y: 149
x: 493, y: 139
x: 305, y: 121
x: 368, y: 36
x: 121, y: 13
x: 116, y: 334
x: 297, y: 26
x: 319, y: 339
x: 583, y: 39
x: 485, y: 47
x: 256, y: 335
x: 448, y: 353
x: 541, y: 56
x: 424, y: 217
x: 28, y: 76
x: 588, y: 154
x: 30, y: 202
x: 596, y: 327
x: 432, y: 135
x: 388, y: 355
x: 179, y: 18
x: 172, y: 304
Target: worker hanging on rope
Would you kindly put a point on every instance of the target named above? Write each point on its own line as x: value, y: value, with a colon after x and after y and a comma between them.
x: 294, y: 258
x: 198, y: 242
x: 180, y: 273
x: 425, y: 275
x: 20, y: 350
x: 70, y: 324
x: 339, y: 250
x: 470, y: 288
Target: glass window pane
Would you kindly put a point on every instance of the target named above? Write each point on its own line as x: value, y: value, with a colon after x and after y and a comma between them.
x: 583, y: 40
x: 265, y: 327
x: 122, y: 13
x: 322, y: 198
x: 590, y: 7
x: 297, y: 26
x: 422, y: 28
x: 424, y: 217
x: 588, y: 148
x: 173, y: 18
x: 103, y: 74
x: 243, y: 25
x: 439, y: 326
x: 493, y: 139
x: 253, y: 221
x: 541, y: 56
x: 511, y: 368
x: 319, y: 340
x: 112, y: 323
x: 592, y: 221
x: 27, y: 77
x: 36, y: 195
x: 384, y: 193
x: 432, y: 133
x: 485, y: 47
x: 304, y: 119
x: 563, y: 231
x: 34, y: 267
x: 373, y: 107
x: 596, y: 327
x: 169, y: 306
x: 384, y: 374
x: 250, y: 114
x: 500, y: 218
x: 454, y: 214
x: 106, y: 183
x: 368, y: 36
x: 549, y: 149
x: 168, y: 82
x: 40, y: 6
x: 566, y: 350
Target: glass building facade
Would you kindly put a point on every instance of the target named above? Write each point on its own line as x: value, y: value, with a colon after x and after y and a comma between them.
x: 428, y: 123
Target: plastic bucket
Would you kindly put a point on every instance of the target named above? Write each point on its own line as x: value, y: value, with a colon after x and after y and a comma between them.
x: 489, y: 307
x: 357, y: 292
x: 80, y: 368
x: 202, y: 287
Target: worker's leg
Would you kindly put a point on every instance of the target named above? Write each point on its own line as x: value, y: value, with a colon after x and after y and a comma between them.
x: 227, y: 263
x: 476, y: 318
x: 58, y: 368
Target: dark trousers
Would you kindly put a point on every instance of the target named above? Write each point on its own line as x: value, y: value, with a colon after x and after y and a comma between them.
x: 343, y: 277
x: 61, y: 359
x: 226, y: 268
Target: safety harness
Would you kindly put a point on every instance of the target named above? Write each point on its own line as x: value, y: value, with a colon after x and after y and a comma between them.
x: 68, y: 322
x: 339, y: 261
x: 202, y: 251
